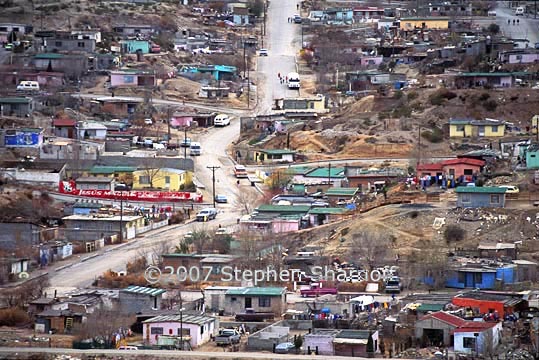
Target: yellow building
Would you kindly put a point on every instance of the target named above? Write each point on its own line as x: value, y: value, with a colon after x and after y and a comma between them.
x: 476, y: 128
x: 535, y: 120
x: 162, y: 178
x: 314, y: 104
x: 424, y: 23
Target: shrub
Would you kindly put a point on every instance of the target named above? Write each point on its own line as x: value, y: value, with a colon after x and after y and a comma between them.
x: 412, y: 95
x: 493, y: 28
x: 490, y: 105
x: 13, y: 317
x: 454, y: 233
x: 484, y: 97
x: 414, y: 214
x: 397, y: 95
x: 434, y: 136
x: 438, y: 97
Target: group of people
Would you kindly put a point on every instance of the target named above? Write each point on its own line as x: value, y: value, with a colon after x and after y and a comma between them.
x: 509, y: 21
x: 282, y: 79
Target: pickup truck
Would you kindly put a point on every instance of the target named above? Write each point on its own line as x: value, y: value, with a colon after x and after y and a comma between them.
x: 206, y: 214
x: 251, y: 315
x: 393, y: 285
x: 227, y: 337
x: 317, y: 292
x: 185, y: 142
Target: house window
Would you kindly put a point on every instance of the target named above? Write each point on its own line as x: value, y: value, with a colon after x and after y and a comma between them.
x: 468, y: 343
x: 233, y: 299
x: 460, y: 128
x: 202, y: 330
x: 466, y: 198
x: 264, y: 301
x: 58, y: 43
x: 144, y: 180
x: 80, y: 44
x: 468, y: 171
x: 129, y: 79
x: 167, y: 180
x: 462, y: 277
x: 494, y: 199
x: 156, y: 331
x: 494, y: 128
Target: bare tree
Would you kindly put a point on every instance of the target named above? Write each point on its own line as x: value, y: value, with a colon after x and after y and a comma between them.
x: 151, y: 172
x: 102, y: 326
x: 200, y: 238
x: 22, y: 294
x: 245, y: 200
x: 157, y: 252
x: 372, y: 246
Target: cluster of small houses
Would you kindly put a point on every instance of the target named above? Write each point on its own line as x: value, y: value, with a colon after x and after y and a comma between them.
x: 465, y: 323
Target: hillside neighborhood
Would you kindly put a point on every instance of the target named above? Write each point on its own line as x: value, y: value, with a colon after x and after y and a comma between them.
x: 269, y: 180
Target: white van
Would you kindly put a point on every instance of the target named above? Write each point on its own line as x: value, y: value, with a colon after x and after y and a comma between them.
x: 292, y: 80
x: 195, y: 149
x: 28, y: 86
x: 519, y: 11
x: 221, y: 120
x: 491, y: 13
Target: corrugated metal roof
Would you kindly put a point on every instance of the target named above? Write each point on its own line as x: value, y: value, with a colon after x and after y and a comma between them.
x: 144, y: 290
x: 185, y: 318
x: 342, y: 191
x: 334, y: 211
x: 480, y: 190
x: 257, y: 291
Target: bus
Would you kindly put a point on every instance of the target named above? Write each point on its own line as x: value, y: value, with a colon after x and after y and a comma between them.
x: 240, y: 171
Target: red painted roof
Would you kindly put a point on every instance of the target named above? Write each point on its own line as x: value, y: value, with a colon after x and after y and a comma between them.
x: 464, y: 161
x: 446, y: 318
x: 433, y: 167
x: 475, y: 326
x: 64, y: 122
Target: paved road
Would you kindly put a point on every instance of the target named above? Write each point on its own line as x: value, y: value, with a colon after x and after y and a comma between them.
x: 283, y: 43
x: 528, y: 27
x: 11, y: 352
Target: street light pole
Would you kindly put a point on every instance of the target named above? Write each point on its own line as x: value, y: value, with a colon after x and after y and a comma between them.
x: 185, y: 142
x: 213, y: 168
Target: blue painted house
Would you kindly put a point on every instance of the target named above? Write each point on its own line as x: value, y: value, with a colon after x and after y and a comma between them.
x: 218, y: 72
x: 21, y: 138
x: 481, y: 277
x: 477, y: 197
x: 131, y: 46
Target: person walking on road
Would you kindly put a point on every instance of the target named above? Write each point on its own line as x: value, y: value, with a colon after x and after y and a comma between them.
x: 508, y: 21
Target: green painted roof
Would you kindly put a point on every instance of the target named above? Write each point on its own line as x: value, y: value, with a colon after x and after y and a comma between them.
x: 430, y: 307
x: 98, y: 169
x: 298, y: 170
x: 49, y: 56
x: 15, y: 100
x: 341, y: 191
x: 257, y: 291
x: 480, y: 190
x: 282, y: 209
x: 143, y: 290
x: 277, y: 151
x: 324, y: 172
x: 332, y: 211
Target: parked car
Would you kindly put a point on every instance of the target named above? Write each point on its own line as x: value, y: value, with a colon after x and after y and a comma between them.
x: 127, y: 347
x: 221, y: 120
x: 148, y: 121
x: 121, y: 187
x: 206, y: 214
x: 263, y: 52
x: 510, y: 189
x: 285, y: 348
x: 185, y: 142
x: 221, y: 199
x: 227, y: 337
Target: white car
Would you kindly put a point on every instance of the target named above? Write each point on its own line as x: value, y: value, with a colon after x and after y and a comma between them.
x: 263, y: 52
x: 221, y: 120
x: 510, y: 189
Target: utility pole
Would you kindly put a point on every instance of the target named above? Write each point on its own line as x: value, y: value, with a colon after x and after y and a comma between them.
x: 213, y: 168
x: 248, y: 88
x: 329, y: 174
x: 185, y: 142
x: 419, y: 146
x: 121, y: 217
x: 169, y: 115
x: 244, y: 62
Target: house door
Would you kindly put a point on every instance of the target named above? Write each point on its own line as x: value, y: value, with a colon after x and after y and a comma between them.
x: 481, y: 130
x: 248, y: 303
x: 215, y: 302
x: 469, y: 280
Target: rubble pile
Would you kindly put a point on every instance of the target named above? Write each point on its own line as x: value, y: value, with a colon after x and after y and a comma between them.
x: 426, y: 353
x: 500, y: 180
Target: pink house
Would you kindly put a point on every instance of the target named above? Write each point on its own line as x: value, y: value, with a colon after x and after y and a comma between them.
x: 133, y: 78
x: 519, y: 56
x: 196, y: 329
x: 454, y: 168
x: 284, y: 225
x: 366, y: 61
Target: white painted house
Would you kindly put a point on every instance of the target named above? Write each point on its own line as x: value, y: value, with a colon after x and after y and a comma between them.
x: 478, y: 337
x: 195, y: 328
